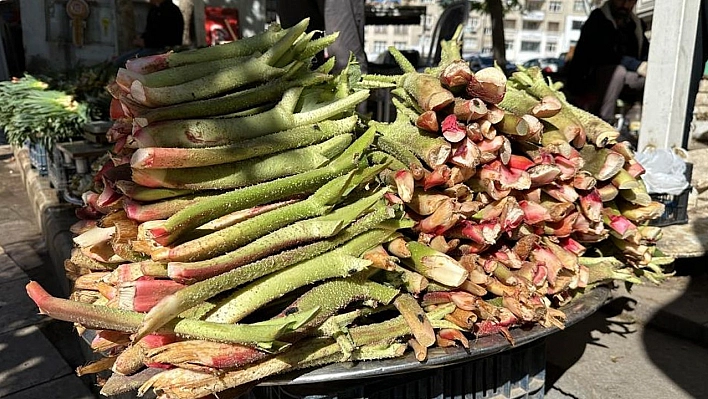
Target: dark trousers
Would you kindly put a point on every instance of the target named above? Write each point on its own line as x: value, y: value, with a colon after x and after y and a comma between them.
x: 616, y: 80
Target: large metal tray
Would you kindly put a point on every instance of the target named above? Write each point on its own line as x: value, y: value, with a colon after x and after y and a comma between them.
x: 576, y: 310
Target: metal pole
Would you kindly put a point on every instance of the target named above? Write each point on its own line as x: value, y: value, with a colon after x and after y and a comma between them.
x: 667, y: 88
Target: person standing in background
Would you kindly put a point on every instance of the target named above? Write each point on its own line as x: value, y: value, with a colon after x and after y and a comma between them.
x: 610, y: 57
x: 163, y: 29
x: 345, y: 17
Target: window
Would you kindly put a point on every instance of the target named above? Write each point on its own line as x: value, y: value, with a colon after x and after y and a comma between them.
x: 429, y: 22
x: 380, y: 28
x: 530, y: 46
x: 380, y: 46
x: 470, y: 44
x: 531, y: 25
x: 551, y: 47
x: 473, y: 24
x: 534, y: 5
x: 509, y: 24
x: 400, y: 45
x: 577, y: 25
x: 400, y: 29
x: 579, y: 6
x: 487, y: 50
x: 553, y: 26
x: 555, y: 6
x: 487, y: 30
x: 508, y: 44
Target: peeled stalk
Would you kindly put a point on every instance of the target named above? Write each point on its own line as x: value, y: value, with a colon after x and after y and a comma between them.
x: 246, y: 172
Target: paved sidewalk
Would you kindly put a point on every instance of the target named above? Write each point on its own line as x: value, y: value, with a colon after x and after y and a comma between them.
x: 38, y: 354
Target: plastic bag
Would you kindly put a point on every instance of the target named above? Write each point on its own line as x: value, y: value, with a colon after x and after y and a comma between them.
x: 665, y: 171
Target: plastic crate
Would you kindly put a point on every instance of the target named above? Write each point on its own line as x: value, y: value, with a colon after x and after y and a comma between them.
x: 58, y: 170
x: 519, y: 373
x: 675, y: 206
x: 38, y: 158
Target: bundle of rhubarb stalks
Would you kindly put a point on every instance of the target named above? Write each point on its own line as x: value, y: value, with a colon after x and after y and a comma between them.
x: 249, y: 222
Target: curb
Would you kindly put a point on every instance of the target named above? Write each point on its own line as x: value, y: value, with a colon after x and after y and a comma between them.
x: 53, y: 217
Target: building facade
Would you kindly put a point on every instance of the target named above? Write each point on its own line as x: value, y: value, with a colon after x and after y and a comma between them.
x: 542, y: 28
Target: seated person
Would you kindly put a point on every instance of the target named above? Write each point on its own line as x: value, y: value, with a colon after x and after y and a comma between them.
x: 163, y: 29
x: 609, y: 59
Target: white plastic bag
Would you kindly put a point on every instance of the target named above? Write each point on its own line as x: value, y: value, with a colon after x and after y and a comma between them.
x: 665, y: 171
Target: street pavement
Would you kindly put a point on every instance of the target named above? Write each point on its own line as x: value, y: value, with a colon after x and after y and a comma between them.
x: 650, y: 342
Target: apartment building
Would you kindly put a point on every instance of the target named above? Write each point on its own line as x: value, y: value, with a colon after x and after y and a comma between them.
x: 542, y: 28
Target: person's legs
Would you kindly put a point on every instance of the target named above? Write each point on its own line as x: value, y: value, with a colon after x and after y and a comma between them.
x: 613, y: 78
x: 347, y: 18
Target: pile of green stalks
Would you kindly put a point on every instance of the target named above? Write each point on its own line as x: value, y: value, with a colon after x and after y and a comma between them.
x: 250, y: 222
x: 30, y: 111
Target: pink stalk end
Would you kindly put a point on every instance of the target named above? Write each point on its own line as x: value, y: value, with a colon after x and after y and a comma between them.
x: 143, y: 295
x: 148, y: 64
x: 452, y: 130
x: 428, y: 121
x: 405, y: 184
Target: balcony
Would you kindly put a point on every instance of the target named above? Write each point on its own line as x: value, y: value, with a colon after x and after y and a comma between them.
x: 535, y: 15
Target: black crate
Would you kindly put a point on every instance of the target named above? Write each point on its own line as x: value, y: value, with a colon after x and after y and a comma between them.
x: 675, y: 206
x: 38, y: 158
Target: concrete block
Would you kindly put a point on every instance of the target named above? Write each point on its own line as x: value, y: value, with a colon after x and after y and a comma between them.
x: 28, y: 360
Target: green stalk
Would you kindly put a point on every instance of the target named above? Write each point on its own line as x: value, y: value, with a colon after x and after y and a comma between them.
x: 181, y: 74
x: 246, y: 172
x: 341, y: 262
x: 217, y: 243
x: 433, y: 150
x: 103, y: 317
x: 158, y: 157
x: 521, y: 102
x: 398, y: 152
x: 242, y: 47
x: 288, y: 236
x: 258, y: 69
x: 265, y: 93
x: 222, y: 81
x: 212, y: 208
x: 332, y: 296
x: 205, y: 132
x: 188, y: 297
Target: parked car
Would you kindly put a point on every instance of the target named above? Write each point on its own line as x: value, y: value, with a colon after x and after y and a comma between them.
x: 478, y: 62
x: 548, y: 65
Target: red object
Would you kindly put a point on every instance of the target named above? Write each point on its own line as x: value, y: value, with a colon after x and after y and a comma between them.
x: 221, y: 25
